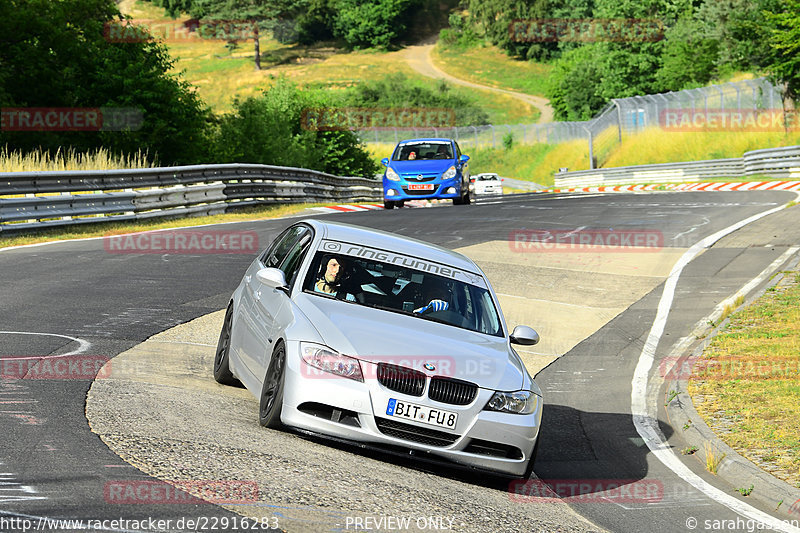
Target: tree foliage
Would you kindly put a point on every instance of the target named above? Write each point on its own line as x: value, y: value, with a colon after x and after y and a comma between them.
x: 53, y: 53
x: 396, y: 90
x: 702, y: 40
x: 271, y: 129
x: 784, y: 39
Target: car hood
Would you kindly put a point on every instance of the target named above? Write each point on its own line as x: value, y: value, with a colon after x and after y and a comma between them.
x: 382, y: 336
x: 418, y: 167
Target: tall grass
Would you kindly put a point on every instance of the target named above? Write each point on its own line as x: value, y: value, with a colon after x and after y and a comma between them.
x: 658, y: 146
x: 101, y: 159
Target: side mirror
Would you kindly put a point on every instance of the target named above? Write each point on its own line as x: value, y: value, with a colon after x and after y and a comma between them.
x: 272, y: 277
x: 385, y: 161
x: 464, y: 158
x: 524, y: 335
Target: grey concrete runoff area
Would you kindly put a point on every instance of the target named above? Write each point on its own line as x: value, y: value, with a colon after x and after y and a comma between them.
x: 160, y: 410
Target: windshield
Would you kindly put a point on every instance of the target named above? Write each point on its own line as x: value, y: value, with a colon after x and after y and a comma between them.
x: 400, y: 289
x: 421, y: 151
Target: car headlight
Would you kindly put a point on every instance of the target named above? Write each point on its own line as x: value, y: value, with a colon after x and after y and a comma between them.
x: 450, y: 173
x: 391, y: 174
x: 523, y: 402
x: 327, y: 360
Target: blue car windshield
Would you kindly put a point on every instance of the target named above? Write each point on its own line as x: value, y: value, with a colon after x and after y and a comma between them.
x: 422, y: 151
x: 400, y: 289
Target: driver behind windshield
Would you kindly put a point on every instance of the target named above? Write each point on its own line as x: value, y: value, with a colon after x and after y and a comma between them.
x: 331, y: 274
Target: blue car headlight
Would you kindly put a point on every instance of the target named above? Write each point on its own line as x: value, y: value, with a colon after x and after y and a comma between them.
x: 450, y: 173
x: 523, y: 402
x: 391, y: 175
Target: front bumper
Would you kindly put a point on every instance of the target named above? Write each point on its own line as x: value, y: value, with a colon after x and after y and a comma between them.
x: 400, y: 189
x: 339, y: 407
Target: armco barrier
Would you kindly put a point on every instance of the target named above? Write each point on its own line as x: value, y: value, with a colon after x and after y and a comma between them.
x: 779, y: 163
x: 32, y: 200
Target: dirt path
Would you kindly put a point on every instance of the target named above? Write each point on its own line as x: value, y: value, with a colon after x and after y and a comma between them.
x: 419, y: 58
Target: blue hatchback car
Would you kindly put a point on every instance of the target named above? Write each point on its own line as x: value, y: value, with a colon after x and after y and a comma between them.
x: 422, y: 169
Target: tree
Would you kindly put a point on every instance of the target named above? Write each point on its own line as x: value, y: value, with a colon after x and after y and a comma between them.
x: 689, y: 58
x: 53, y: 53
x: 270, y: 129
x: 574, y: 84
x: 371, y: 23
x: 785, y: 41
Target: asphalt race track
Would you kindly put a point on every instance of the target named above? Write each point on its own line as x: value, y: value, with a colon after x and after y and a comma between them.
x: 77, y: 298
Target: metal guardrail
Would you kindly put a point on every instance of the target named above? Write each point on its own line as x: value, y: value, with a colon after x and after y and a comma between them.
x: 52, y: 199
x: 779, y: 163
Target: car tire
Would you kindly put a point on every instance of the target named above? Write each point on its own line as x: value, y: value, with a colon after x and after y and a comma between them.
x: 464, y: 198
x: 388, y: 204
x: 222, y: 369
x: 271, y: 398
x: 400, y: 203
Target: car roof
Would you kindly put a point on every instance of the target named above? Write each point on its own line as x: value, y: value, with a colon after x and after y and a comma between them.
x: 426, y: 139
x: 373, y: 238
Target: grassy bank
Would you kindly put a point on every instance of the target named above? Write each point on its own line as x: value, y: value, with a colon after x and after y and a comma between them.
x: 220, y: 75
x: 489, y: 65
x: 747, y: 387
x: 657, y: 146
x: 12, y: 161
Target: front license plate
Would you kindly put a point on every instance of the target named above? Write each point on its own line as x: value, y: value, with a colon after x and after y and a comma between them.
x: 420, y: 186
x: 421, y: 413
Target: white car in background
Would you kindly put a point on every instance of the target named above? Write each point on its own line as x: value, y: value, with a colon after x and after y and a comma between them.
x: 487, y: 183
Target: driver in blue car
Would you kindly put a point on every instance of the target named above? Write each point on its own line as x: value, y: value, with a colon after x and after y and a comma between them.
x: 331, y: 272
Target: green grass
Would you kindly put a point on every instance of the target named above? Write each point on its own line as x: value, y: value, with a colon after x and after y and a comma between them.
x: 658, y: 146
x: 13, y: 161
x: 489, y: 65
x: 748, y: 384
x: 219, y: 75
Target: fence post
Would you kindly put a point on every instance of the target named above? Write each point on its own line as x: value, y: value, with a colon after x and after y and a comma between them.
x: 619, y: 119
x: 591, y: 148
x: 474, y: 129
x: 494, y: 145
